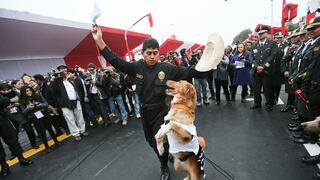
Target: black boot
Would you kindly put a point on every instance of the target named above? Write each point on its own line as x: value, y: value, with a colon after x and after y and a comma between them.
x: 23, y: 161
x: 5, y: 171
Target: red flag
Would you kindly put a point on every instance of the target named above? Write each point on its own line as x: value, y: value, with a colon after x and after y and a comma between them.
x: 293, y: 8
x: 150, y: 20
x: 309, y: 17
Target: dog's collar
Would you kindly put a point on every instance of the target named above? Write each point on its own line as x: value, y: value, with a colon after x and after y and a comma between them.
x: 183, y: 107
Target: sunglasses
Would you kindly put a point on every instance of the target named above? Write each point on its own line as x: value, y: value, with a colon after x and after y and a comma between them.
x: 152, y: 52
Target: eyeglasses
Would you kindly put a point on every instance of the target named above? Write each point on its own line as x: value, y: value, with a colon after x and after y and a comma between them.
x: 90, y: 70
x: 152, y: 52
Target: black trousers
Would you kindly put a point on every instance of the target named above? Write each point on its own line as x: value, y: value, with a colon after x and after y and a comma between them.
x: 244, y: 91
x: 276, y: 80
x: 41, y: 126
x: 99, y: 107
x: 314, y: 104
x: 264, y: 81
x: 8, y: 135
x: 152, y: 119
x: 210, y: 82
x: 290, y: 99
x: 224, y: 83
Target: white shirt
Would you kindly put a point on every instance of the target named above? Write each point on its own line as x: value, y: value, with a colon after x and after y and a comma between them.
x: 192, y: 146
x: 72, y: 94
x: 93, y: 88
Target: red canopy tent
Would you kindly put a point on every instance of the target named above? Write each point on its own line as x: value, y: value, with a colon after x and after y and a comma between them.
x: 177, y: 45
x: 273, y: 30
x: 86, y: 51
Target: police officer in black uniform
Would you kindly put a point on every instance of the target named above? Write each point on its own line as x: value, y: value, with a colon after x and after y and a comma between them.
x: 287, y: 69
x: 151, y: 77
x: 9, y: 136
x: 277, y: 76
x: 312, y: 79
x: 263, y: 52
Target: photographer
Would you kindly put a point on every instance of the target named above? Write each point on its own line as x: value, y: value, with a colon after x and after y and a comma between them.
x: 67, y: 96
x: 111, y: 80
x: 36, y: 109
x: 8, y: 135
x: 16, y: 116
x: 45, y: 90
x: 88, y: 115
x: 97, y: 93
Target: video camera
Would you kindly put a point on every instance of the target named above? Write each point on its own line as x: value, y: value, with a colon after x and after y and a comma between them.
x: 54, y: 73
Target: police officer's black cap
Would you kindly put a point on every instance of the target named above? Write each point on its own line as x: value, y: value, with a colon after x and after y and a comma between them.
x: 278, y: 35
x: 263, y: 29
x: 62, y: 67
x: 313, y: 24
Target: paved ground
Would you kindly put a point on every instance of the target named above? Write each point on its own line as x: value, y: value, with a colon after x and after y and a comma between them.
x: 249, y: 144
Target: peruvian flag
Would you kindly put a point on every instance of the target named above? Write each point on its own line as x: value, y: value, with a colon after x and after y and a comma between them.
x: 289, y: 12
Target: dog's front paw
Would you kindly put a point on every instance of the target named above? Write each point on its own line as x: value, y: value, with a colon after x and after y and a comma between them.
x: 160, y: 149
x: 161, y: 133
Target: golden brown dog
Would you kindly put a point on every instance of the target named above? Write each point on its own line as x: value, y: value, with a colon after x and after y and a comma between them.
x: 180, y: 131
x: 312, y: 126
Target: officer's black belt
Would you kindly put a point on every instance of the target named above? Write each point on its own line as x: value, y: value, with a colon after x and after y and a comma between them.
x: 153, y: 106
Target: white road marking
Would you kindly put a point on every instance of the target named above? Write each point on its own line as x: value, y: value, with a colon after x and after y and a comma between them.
x: 280, y: 102
x: 313, y: 149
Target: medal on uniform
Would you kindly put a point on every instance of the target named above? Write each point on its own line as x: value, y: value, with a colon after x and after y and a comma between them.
x: 161, y: 75
x: 267, y: 64
x: 255, y: 51
x: 316, y: 48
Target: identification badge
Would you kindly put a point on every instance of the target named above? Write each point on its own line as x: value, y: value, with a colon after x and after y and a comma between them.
x: 38, y: 114
x: 255, y: 51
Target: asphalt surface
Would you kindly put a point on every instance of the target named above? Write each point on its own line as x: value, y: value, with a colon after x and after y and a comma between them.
x: 249, y: 144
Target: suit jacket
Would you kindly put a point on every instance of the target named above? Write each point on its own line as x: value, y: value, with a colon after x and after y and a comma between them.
x: 60, y: 93
x: 264, y: 56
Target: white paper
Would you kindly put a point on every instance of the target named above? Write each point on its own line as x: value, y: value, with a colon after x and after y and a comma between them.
x: 38, y: 114
x: 134, y: 87
x: 96, y: 12
x: 239, y: 64
x: 13, y: 110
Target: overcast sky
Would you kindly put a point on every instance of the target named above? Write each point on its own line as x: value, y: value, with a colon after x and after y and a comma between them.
x: 189, y: 20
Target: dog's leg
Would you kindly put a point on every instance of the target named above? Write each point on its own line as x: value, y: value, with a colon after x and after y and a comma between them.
x: 183, y: 135
x: 161, y: 137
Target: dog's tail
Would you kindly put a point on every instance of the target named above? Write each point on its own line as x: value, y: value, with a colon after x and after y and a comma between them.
x: 202, y: 143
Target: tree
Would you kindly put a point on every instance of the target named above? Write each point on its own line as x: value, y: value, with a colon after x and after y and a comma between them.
x: 242, y: 36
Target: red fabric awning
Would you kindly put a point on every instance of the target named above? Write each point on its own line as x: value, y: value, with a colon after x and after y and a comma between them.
x: 87, y: 52
x: 170, y: 45
x: 272, y: 29
x: 176, y: 45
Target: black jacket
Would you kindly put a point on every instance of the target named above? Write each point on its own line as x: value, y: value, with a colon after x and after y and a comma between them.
x: 60, y: 93
x: 264, y: 56
x: 151, y: 81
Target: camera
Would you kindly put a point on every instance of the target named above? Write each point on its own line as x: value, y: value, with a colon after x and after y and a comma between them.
x: 54, y: 73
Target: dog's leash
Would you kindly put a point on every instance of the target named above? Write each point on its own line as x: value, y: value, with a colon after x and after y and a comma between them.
x: 219, y: 169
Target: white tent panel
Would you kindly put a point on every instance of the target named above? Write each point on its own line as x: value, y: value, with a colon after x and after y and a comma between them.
x: 14, y: 69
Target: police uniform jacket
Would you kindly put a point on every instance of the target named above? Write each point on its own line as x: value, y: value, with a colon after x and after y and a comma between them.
x: 264, y: 55
x: 150, y: 81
